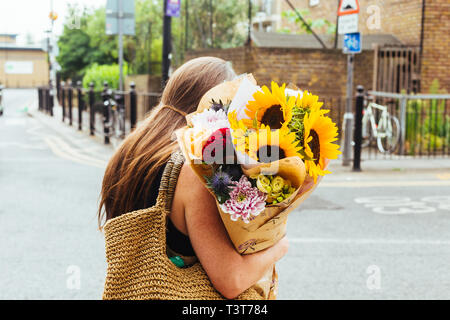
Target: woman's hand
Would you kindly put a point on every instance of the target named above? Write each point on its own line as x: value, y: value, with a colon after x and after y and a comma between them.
x: 281, y: 248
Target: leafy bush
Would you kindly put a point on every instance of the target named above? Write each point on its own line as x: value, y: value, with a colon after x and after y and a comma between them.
x: 427, y: 124
x: 101, y: 73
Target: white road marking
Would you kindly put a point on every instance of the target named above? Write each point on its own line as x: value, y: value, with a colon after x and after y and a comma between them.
x: 368, y: 241
x: 63, y: 150
x: 404, y: 205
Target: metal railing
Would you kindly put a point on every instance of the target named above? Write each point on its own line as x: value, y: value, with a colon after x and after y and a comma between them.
x: 424, y: 122
x: 108, y: 113
x: 423, y: 119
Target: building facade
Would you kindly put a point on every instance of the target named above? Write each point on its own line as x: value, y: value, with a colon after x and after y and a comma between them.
x: 22, y: 66
x: 421, y: 24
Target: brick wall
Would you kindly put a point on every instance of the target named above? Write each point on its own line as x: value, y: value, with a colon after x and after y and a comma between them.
x: 436, y: 46
x: 401, y: 18
x: 321, y: 71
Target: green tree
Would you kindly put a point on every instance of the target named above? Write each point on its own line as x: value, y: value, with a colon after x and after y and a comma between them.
x: 74, y: 46
x: 215, y: 23
x: 212, y: 23
x: 104, y: 48
x: 321, y: 25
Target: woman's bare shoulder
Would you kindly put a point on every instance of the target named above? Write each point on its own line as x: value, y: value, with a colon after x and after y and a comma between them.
x: 191, y: 183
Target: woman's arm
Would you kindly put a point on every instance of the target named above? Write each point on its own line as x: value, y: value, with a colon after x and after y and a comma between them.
x: 229, y: 272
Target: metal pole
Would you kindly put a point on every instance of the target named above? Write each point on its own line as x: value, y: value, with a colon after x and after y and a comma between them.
x: 133, y: 106
x: 120, y: 21
x: 167, y: 35
x: 348, y: 116
x: 249, y: 38
x: 106, y: 108
x: 52, y: 81
x: 91, y: 109
x: 186, y: 35
x: 63, y: 100
x: 403, y: 105
x: 70, y: 102
x: 211, y: 36
x: 357, y: 137
x: 80, y: 105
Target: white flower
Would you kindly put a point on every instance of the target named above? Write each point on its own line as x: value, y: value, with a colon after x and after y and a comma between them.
x: 210, y: 120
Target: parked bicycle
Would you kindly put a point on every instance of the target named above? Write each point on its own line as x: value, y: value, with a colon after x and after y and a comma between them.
x: 386, y: 131
x: 116, y: 117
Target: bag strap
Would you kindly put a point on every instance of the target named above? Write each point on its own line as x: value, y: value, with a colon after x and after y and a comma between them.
x: 169, y: 180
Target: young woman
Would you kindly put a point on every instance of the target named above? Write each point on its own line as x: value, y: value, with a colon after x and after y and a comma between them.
x: 194, y: 229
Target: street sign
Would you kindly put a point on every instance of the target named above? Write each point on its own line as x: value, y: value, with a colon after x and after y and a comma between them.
x: 348, y: 23
x: 126, y: 15
x: 173, y: 8
x: 352, y: 43
x: 347, y: 7
x: 112, y: 26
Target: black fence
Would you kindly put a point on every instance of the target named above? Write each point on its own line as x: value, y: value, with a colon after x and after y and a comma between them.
x: 108, y: 113
x: 395, y: 126
x: 387, y: 125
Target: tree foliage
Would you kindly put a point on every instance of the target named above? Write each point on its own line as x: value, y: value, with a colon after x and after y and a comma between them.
x: 211, y: 23
x: 320, y: 25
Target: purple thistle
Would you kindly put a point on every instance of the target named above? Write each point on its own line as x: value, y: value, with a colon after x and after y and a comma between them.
x: 220, y: 184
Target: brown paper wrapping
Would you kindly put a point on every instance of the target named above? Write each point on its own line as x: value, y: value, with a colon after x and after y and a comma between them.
x: 269, y: 226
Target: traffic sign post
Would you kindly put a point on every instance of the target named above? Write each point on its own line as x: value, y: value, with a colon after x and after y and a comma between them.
x: 348, y: 25
x: 348, y: 16
x: 171, y: 9
x: 120, y: 21
x: 352, y: 43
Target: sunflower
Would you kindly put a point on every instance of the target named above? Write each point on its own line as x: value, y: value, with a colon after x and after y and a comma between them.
x: 270, y: 108
x: 239, y: 132
x: 319, y: 134
x: 266, y: 145
x: 310, y: 102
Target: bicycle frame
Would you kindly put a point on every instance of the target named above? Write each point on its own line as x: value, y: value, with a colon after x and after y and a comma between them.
x: 383, y: 123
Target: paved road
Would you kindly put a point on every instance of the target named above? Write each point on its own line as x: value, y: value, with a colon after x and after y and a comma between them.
x: 380, y: 234
x: 49, y: 188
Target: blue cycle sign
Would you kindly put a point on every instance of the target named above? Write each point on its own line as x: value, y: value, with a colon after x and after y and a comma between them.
x: 352, y: 43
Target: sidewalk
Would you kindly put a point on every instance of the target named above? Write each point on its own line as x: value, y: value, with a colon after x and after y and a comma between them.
x: 56, y: 120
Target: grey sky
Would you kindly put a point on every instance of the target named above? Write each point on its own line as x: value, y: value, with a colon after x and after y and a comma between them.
x: 31, y: 16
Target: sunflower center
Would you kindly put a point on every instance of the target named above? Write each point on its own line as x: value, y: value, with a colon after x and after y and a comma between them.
x: 273, y: 117
x: 314, y: 144
x: 267, y: 154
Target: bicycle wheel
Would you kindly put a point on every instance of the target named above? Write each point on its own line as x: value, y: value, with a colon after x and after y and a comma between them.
x: 389, y: 135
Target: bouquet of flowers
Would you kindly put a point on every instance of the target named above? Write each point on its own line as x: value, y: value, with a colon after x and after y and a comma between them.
x: 261, y: 152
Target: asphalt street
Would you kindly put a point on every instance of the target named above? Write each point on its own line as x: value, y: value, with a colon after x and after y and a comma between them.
x: 380, y: 234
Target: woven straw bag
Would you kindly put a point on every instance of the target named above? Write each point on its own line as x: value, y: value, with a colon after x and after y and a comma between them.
x: 138, y: 266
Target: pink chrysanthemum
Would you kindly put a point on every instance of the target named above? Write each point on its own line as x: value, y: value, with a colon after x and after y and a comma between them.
x: 245, y: 201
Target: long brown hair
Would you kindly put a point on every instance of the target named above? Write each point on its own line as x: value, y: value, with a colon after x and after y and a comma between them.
x: 131, y: 171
